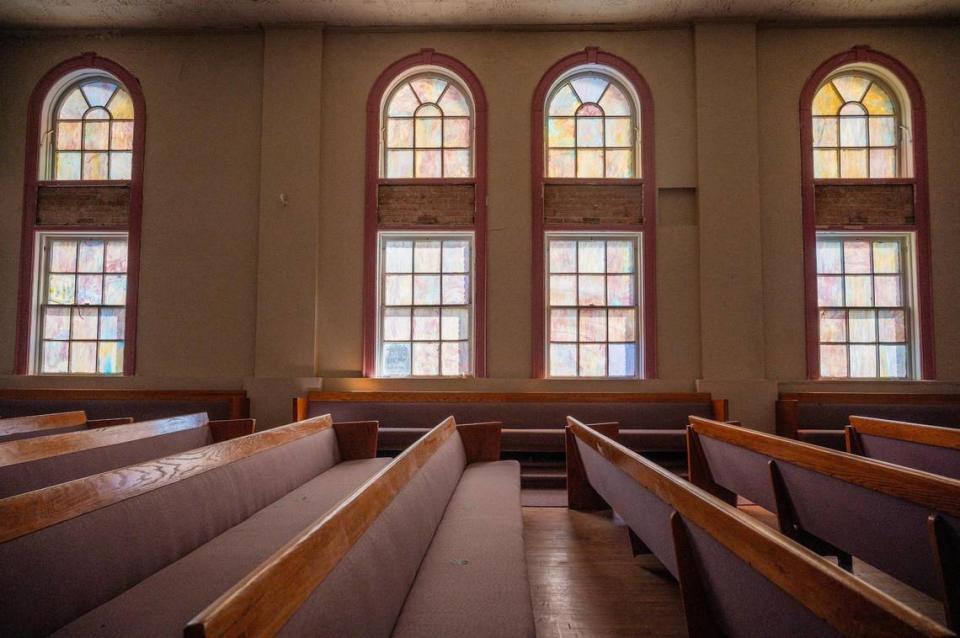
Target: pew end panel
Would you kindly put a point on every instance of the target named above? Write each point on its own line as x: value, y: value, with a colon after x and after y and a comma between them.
x: 357, y: 439
x: 698, y: 470
x: 227, y: 429
x: 580, y: 494
x: 481, y: 441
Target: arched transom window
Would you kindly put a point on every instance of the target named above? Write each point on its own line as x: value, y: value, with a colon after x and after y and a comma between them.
x: 428, y: 123
x: 591, y: 129
x: 855, y: 128
x: 93, y: 131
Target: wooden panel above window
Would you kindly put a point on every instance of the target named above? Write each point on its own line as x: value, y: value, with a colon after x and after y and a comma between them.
x: 864, y: 205
x: 430, y: 204
x: 100, y: 206
x: 601, y: 204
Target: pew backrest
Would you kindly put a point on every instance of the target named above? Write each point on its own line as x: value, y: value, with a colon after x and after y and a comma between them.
x: 737, y: 576
x: 142, y: 405
x: 23, y: 427
x: 923, y: 447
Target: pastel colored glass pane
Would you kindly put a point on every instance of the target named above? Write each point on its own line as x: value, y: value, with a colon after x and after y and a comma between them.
x: 829, y: 257
x: 96, y: 135
x: 833, y: 361
x: 426, y: 290
x: 825, y: 131
x: 560, y: 132
x: 620, y: 290
x: 614, y: 102
x: 121, y: 106
x: 589, y: 88
x: 563, y: 324
x: 426, y: 359
x: 454, y: 358
x: 97, y: 114
x: 853, y: 131
x: 858, y: 290
x: 853, y: 163
x: 863, y: 326
x: 456, y: 163
x: 853, y: 109
x: 619, y: 163
x: 456, y: 289
x: 591, y: 290
x: 827, y: 101
x: 563, y: 359
x: 428, y: 164
x: 68, y: 166
x: 120, y: 165
x: 622, y: 359
x: 60, y: 289
x: 563, y: 256
x: 85, y: 323
x: 95, y: 166
x: 453, y: 102
x: 98, y: 93
x: 825, y: 165
x: 561, y: 164
x: 829, y: 291
x: 456, y: 255
x: 589, y: 131
x: 399, y: 164
x: 621, y: 324
x: 115, y: 290
x: 55, y: 355
x: 856, y: 256
x: 863, y: 361
x: 883, y: 162
x: 833, y: 325
x: 877, y: 101
x: 891, y: 325
x: 883, y: 131
x: 886, y: 256
x: 619, y: 131
x: 63, y: 256
x: 395, y: 360
x: 398, y: 256
x: 851, y: 87
x: 121, y: 136
x: 564, y: 101
x: 399, y: 133
x: 893, y: 361
x: 426, y: 256
x: 456, y: 133
x: 590, y: 110
x: 68, y: 135
x: 74, y: 106
x: 428, y: 89
x: 590, y: 163
x: 112, y: 323
x: 887, y: 290
x: 90, y: 256
x: 429, y: 110
x: 563, y: 290
x: 403, y: 103
x: 83, y: 357
x: 455, y: 324
x: 396, y: 324
x: 56, y: 323
x: 428, y: 132
x: 591, y: 256
x: 593, y: 360
x: 398, y: 290
x: 426, y: 324
x: 110, y: 357
x: 116, y: 256
x: 89, y: 290
x: 620, y: 256
x: 593, y: 325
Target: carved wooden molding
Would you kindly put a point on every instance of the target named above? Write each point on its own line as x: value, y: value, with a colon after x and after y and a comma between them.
x: 439, y: 204
x: 601, y: 204
x: 864, y: 204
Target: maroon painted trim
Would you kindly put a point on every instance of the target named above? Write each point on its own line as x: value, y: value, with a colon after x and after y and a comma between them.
x: 32, y: 182
x: 921, y: 202
x: 593, y: 55
x: 373, y: 179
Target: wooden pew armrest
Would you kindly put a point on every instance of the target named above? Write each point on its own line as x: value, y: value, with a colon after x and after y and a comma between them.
x: 231, y: 428
x: 481, y: 441
x: 106, y: 423
x: 357, y: 439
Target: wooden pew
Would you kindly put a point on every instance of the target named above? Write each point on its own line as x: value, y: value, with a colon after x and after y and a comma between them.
x: 902, y: 521
x: 923, y: 447
x: 29, y: 464
x: 141, y: 549
x: 737, y: 576
x: 26, y: 427
x: 431, y: 546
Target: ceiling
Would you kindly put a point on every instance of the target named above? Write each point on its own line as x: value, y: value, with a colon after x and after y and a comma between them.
x: 179, y: 14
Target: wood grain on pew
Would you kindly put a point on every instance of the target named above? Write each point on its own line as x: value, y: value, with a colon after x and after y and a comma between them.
x: 265, y: 599
x: 902, y: 431
x: 846, y: 603
x: 481, y: 441
x: 357, y: 439
x: 17, y: 425
x: 580, y: 494
x: 24, y: 513
x: 231, y: 428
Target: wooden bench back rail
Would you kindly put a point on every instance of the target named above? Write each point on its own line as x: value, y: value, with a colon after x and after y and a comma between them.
x: 901, y: 520
x: 735, y: 573
x: 923, y: 447
x: 793, y: 409
x: 294, y: 578
x: 142, y: 405
x: 56, y: 421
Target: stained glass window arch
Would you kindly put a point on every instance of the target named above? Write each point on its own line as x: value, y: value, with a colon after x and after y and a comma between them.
x: 592, y: 126
x: 427, y: 127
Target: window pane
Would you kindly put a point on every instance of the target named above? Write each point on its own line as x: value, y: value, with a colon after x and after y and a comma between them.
x: 398, y: 290
x: 892, y: 325
x: 55, y: 354
x: 833, y: 361
x: 563, y: 324
x: 426, y: 290
x: 893, y: 361
x: 863, y: 326
x: 591, y: 256
x: 453, y: 102
x: 456, y: 164
x: 456, y: 256
x: 560, y: 132
x: 863, y: 361
x: 886, y: 256
x: 593, y: 325
x: 829, y: 257
x: 591, y: 291
x: 115, y: 290
x: 396, y: 324
x: 853, y: 131
x: 404, y: 102
x: 593, y: 360
x: 622, y: 325
x: 455, y: 324
x: 426, y: 359
x: 883, y: 163
x: 95, y: 166
x: 455, y: 289
x: 112, y: 323
x: 589, y: 163
x: 428, y: 164
x: 85, y: 322
x: 563, y: 290
x: 110, y: 357
x: 856, y: 256
x: 89, y: 290
x: 399, y: 164
x: 561, y: 163
x: 396, y: 360
x: 825, y: 131
x: 564, y: 102
x: 563, y: 256
x: 454, y: 358
x: 74, y: 106
x: 620, y: 257
x: 426, y: 324
x: 589, y: 131
x: 121, y: 136
x: 619, y: 131
x: 825, y: 164
x: 63, y: 256
x: 68, y: 136
x: 426, y: 257
x: 399, y: 133
x: 833, y: 325
x: 398, y: 256
x: 56, y: 323
x: 883, y: 131
x: 428, y: 132
x: 829, y: 291
x: 620, y: 290
x: 619, y: 163
x: 563, y: 359
x: 858, y: 290
x: 60, y: 289
x: 623, y: 359
x: 83, y: 357
x: 853, y: 163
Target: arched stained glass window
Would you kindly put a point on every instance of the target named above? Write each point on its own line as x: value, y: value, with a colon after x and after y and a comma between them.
x: 855, y: 129
x: 591, y: 128
x: 428, y: 129
x: 93, y: 131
